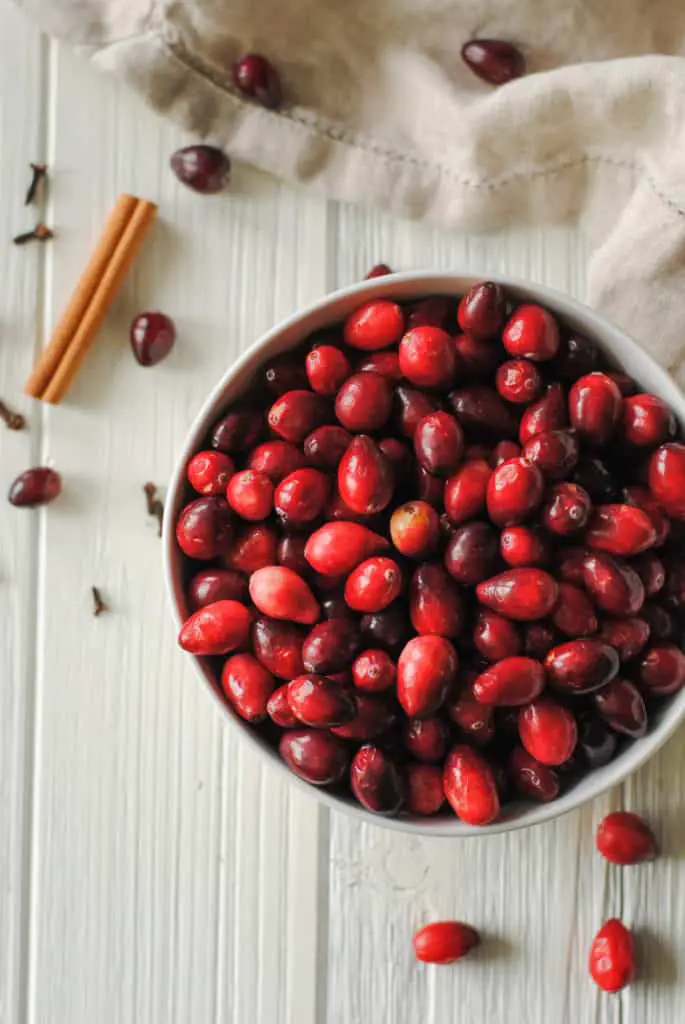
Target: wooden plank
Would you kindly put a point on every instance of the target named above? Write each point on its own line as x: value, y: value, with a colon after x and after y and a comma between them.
x: 22, y: 141
x: 162, y: 885
x: 536, y: 894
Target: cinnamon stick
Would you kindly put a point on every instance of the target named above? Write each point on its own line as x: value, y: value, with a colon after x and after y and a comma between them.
x: 117, y: 247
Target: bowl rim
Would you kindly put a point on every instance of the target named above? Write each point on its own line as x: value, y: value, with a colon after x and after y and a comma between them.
x: 411, y: 286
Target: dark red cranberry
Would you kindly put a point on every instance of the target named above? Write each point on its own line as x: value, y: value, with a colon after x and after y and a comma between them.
x: 238, y: 431
x: 205, y: 528
x: 284, y: 373
x: 152, y: 338
x: 621, y: 705
x: 494, y: 60
x: 210, y: 585
x: 482, y: 310
x: 471, y: 553
x: 257, y: 78
x: 35, y: 487
x: 577, y: 357
x: 439, y: 443
x: 205, y: 169
x: 379, y: 270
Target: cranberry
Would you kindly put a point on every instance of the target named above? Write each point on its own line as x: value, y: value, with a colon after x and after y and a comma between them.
x: 519, y: 381
x: 510, y: 682
x: 282, y: 594
x: 667, y: 478
x: 596, y: 741
x: 612, y: 957
x: 495, y: 637
x: 444, y: 942
x: 301, y: 497
x: 327, y: 369
x: 373, y: 585
x: 205, y: 169
x: 426, y: 669
x: 594, y: 404
x: 375, y: 325
x: 315, y: 755
x: 647, y: 421
x: 439, y: 443
x: 494, y: 60
x: 251, y: 495
x: 574, y: 614
x: 152, y: 338
x: 531, y: 333
x: 238, y: 431
x: 40, y: 486
x: 514, y: 492
x: 538, y: 639
x: 435, y: 603
x: 548, y: 413
x: 415, y: 529
x: 431, y: 312
x: 257, y: 78
x: 554, y: 452
x: 365, y: 477
x: 480, y: 410
x: 364, y: 402
x: 386, y: 363
x: 379, y: 270
x: 410, y: 407
x: 277, y: 459
x: 614, y: 586
x: 465, y: 492
x: 625, y: 838
x: 204, y: 528
x: 425, y: 794
x: 581, y: 666
x: 579, y: 356
x: 427, y: 357
x: 290, y: 553
x: 471, y: 553
x: 504, y: 451
x: 389, y: 629
x: 297, y: 413
x: 474, y: 721
x: 337, y: 548
x: 278, y: 646
x: 426, y: 738
x: 523, y: 545
x: 376, y: 782
x: 374, y: 717
x: 476, y: 360
x: 210, y: 585
x: 660, y: 621
x: 331, y: 646
x: 284, y: 373
x: 374, y: 671
x: 215, y: 629
x: 566, y: 509
x: 651, y: 571
x: 626, y: 636
x: 620, y: 530
x: 662, y: 670
x: 318, y: 702
x: 278, y: 709
x: 531, y: 779
x: 253, y: 548
x: 248, y: 686
x: 595, y: 478
x: 548, y: 731
x: 470, y: 786
x: 482, y: 310
x: 325, y: 447
x: 520, y: 594
x: 622, y: 706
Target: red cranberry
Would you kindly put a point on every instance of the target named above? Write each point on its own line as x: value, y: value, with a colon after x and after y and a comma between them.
x: 667, y: 478
x: 435, y: 603
x: 439, y: 443
x: 257, y: 78
x: 210, y: 585
x: 375, y: 717
x: 482, y: 310
x: 625, y: 838
x: 315, y: 755
x: 662, y: 670
x: 523, y: 545
x: 425, y: 794
x: 581, y: 666
x: 248, y: 686
x: 374, y: 671
x: 325, y: 447
x: 548, y: 413
x: 474, y: 721
x: 426, y: 669
x: 253, y: 548
x: 386, y: 363
x: 337, y: 548
x: 204, y: 529
x: 548, y: 731
x: 251, y: 494
x: 519, y: 381
x: 297, y: 413
x: 318, y: 702
x: 621, y: 705
x: 327, y: 369
x: 531, y: 779
x: 215, y: 629
x: 494, y: 60
x: 647, y: 421
x: 379, y: 270
x: 594, y: 404
x: 531, y: 333
x: 426, y: 738
x: 205, y: 169
x: 514, y: 491
x: 519, y: 594
x: 278, y: 709
x: 373, y: 585
x: 282, y: 594
x: 626, y: 636
x: 427, y: 357
x: 375, y: 325
x: 554, y: 452
x: 504, y: 451
x: 152, y: 338
x: 574, y: 614
x: 40, y: 486
x: 471, y: 552
x: 301, y: 497
x: 465, y: 492
x: 495, y: 637
x: 277, y: 458
x: 612, y: 957
x: 470, y: 786
x: 614, y: 586
x: 364, y: 402
x: 365, y: 477
x: 375, y: 781
x: 510, y: 682
x: 444, y: 942
x: 566, y: 509
x: 278, y: 646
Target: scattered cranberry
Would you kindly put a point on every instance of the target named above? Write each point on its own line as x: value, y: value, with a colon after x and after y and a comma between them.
x: 257, y: 78
x: 494, y: 60
x: 35, y: 487
x: 444, y: 942
x: 152, y: 338
x: 203, y: 168
x: 612, y: 957
x: 625, y: 838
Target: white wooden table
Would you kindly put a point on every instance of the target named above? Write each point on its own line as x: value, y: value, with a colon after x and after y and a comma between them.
x: 150, y: 870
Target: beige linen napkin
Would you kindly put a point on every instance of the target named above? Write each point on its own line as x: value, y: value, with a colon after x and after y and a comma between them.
x: 381, y: 109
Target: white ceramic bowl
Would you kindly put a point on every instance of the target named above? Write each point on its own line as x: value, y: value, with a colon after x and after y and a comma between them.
x: 331, y: 310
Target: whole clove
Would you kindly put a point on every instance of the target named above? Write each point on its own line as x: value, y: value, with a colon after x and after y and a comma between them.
x: 99, y: 605
x: 155, y: 506
x: 39, y: 174
x: 12, y: 420
x: 40, y: 234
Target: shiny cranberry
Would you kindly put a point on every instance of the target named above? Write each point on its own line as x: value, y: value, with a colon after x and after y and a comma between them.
x: 425, y: 794
x: 581, y: 666
x: 254, y: 547
x: 439, y: 443
x: 482, y: 310
x: 594, y: 404
x: 474, y: 721
x: 546, y: 414
x: 470, y: 786
x: 204, y: 529
x: 152, y: 338
x: 319, y: 702
x: 503, y: 452
x: 426, y: 669
x: 297, y: 413
x: 385, y: 362
x: 251, y: 494
x: 647, y: 420
x: 465, y: 492
x: 425, y: 738
x: 205, y: 169
x: 374, y: 325
x: 621, y: 705
x: 531, y: 333
x: 430, y: 312
x: 415, y: 529
x: 238, y: 431
x: 523, y: 545
x: 325, y: 447
x: 374, y: 671
x: 520, y: 594
x: 410, y: 406
x: 574, y: 614
x: 37, y: 486
x: 471, y: 553
x: 284, y: 373
x: 281, y: 594
x: 481, y: 411
x: 278, y: 709
x: 278, y: 646
x: 613, y: 585
x: 667, y: 478
x: 257, y: 78
x: 554, y: 452
x: 365, y: 477
x: 248, y: 686
x: 519, y: 381
x: 376, y: 782
x: 427, y: 357
x: 327, y: 369
x: 612, y: 957
x: 301, y: 497
x: 576, y: 358
x: 494, y: 60
x: 596, y: 741
x: 364, y: 402
x: 531, y: 779
x: 566, y: 509
x: 331, y: 646
x: 210, y: 585
x: 514, y: 491
x: 337, y: 548
x: 495, y: 637
x: 375, y: 717
x: 276, y: 459
x: 373, y: 585
x: 510, y: 682
x: 651, y: 571
x: 548, y: 731
x: 290, y: 553
x: 627, y: 636
x: 315, y: 755
x: 625, y: 838
x: 662, y: 670
x: 435, y: 603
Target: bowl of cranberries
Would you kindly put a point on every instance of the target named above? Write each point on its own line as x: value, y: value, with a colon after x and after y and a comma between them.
x: 425, y: 545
